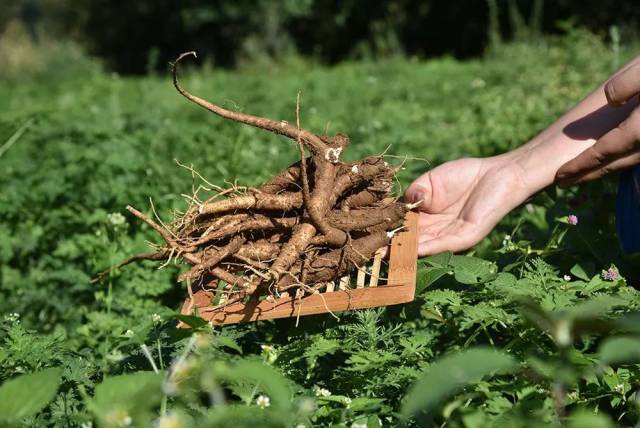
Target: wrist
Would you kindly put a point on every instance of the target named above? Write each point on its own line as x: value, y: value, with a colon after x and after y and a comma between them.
x: 542, y: 157
x: 512, y: 167
x: 540, y: 162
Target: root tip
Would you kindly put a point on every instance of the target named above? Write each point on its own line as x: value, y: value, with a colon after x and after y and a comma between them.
x: 184, y: 54
x: 391, y: 233
x: 415, y: 204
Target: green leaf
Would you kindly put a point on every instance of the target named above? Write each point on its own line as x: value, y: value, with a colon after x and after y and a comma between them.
x: 504, y: 280
x: 364, y: 404
x: 191, y: 320
x: 449, y: 374
x: 240, y: 416
x: 439, y: 260
x: 319, y: 347
x: 227, y: 342
x: 533, y: 312
x: 263, y: 376
x: 587, y: 419
x: 595, y: 308
x: 620, y: 350
x: 629, y: 322
x: 128, y: 397
x: 590, y: 316
x: 579, y: 270
x: 26, y: 395
x: 428, y: 276
x: 472, y: 270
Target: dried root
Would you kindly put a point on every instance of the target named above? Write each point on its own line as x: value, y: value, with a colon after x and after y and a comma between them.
x: 312, y: 223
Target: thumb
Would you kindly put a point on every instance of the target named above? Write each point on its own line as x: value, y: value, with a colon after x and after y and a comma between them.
x: 420, y: 190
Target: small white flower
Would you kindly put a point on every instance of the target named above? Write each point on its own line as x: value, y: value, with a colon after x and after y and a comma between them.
x: 347, y: 401
x: 307, y: 405
x: 478, y: 83
x: 116, y: 219
x: 567, y: 277
x: 119, y: 418
x: 508, y: 244
x: 301, y: 426
x: 180, y: 371
x: 322, y: 392
x: 269, y: 353
x: 354, y: 169
x: 128, y: 333
x: 202, y: 340
x: 170, y: 420
x: 115, y: 355
x: 358, y: 425
x: 619, y: 388
x: 263, y: 401
x: 157, y: 319
x: 12, y: 317
x: 170, y: 387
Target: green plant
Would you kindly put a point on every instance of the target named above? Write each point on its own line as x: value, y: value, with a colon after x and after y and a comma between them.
x: 533, y: 292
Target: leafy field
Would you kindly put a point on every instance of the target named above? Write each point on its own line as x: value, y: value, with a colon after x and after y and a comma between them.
x: 78, y: 144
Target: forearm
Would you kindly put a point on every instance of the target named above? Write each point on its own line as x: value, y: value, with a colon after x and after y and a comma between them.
x: 569, y: 136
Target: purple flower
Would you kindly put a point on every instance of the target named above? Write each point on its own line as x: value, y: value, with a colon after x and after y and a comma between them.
x: 611, y: 274
x: 572, y: 219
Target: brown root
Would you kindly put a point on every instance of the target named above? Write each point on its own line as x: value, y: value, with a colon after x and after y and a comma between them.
x: 261, y: 201
x: 312, y: 223
x: 277, y: 127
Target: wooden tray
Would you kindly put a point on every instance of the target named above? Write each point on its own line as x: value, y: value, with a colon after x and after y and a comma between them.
x: 367, y: 291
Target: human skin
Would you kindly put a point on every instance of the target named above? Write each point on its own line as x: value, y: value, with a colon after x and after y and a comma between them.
x: 464, y: 199
x: 619, y: 148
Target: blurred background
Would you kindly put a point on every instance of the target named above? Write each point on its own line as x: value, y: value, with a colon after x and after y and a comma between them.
x: 137, y: 37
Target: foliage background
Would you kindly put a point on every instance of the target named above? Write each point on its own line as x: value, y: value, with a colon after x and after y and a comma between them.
x: 135, y: 37
x: 79, y: 142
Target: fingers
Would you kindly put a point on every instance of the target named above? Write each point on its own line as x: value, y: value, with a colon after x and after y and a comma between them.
x: 443, y: 243
x: 624, y: 85
x: 438, y: 234
x: 420, y: 190
x: 620, y: 142
x: 616, y: 166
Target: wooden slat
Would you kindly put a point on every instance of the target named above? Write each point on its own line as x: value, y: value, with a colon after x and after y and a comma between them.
x: 344, y: 283
x: 400, y: 288
x: 375, y: 269
x: 404, y: 255
x: 362, y: 276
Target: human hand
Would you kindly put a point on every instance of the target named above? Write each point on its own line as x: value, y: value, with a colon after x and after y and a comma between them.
x: 463, y: 200
x: 618, y: 149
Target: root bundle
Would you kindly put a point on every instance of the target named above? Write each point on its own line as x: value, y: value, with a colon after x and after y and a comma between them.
x: 312, y: 223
